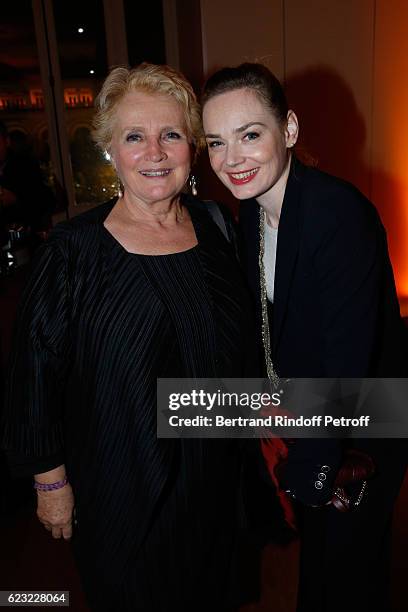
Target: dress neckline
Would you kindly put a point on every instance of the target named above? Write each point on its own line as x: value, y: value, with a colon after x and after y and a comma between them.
x: 120, y: 246
x: 115, y: 242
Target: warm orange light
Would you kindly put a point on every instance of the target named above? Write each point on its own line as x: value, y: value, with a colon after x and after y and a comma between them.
x: 390, y: 133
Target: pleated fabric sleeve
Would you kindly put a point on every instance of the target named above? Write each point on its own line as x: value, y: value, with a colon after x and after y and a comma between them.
x: 32, y: 429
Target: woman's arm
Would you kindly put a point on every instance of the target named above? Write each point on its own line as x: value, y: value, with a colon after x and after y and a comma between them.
x: 32, y: 421
x: 55, y: 508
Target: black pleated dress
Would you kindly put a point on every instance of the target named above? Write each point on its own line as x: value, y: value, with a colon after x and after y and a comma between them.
x: 159, y: 522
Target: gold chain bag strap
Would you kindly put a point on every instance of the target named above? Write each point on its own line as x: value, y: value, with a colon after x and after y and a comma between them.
x: 266, y: 338
x: 351, y: 482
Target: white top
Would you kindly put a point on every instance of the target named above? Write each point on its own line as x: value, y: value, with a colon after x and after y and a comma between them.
x: 269, y: 259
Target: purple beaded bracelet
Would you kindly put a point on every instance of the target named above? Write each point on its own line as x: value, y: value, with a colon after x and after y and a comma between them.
x: 52, y: 486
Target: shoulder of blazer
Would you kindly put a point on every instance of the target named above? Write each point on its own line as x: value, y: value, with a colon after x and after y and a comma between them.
x: 329, y: 202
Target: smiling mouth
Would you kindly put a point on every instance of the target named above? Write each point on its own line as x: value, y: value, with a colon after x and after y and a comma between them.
x: 155, y: 173
x: 239, y: 178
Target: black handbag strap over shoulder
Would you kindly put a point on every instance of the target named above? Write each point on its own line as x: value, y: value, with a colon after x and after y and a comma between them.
x: 217, y: 216
x: 222, y: 218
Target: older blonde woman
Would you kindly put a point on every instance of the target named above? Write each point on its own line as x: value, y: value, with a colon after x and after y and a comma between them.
x: 136, y: 289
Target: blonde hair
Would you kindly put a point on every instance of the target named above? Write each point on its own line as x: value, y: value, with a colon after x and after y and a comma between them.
x: 149, y: 78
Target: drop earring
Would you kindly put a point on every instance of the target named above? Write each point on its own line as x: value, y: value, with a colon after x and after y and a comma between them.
x: 193, y: 185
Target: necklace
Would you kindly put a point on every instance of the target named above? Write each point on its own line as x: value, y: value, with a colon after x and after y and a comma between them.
x: 266, y: 337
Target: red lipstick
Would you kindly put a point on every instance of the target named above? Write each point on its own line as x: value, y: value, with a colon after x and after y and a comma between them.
x: 241, y: 178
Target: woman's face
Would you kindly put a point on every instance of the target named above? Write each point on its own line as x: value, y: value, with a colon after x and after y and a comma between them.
x: 150, y: 147
x: 247, y: 146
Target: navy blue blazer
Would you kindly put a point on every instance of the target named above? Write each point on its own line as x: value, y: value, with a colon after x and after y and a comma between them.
x: 335, y: 311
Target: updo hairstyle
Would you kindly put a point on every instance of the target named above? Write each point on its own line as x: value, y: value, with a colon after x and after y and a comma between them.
x: 249, y: 76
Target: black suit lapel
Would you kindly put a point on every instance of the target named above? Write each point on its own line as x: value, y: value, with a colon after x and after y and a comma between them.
x: 287, y: 248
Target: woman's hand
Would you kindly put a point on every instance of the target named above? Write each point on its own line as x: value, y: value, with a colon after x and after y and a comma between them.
x: 351, y: 480
x: 55, y: 508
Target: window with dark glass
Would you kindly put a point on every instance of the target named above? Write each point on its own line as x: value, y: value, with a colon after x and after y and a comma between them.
x: 81, y: 41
